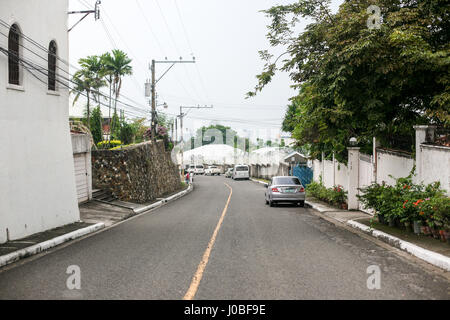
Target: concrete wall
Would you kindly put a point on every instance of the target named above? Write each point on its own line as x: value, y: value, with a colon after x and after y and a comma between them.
x: 393, y: 163
x: 138, y: 174
x: 37, y: 183
x: 436, y: 165
x: 333, y: 173
x: 81, y: 144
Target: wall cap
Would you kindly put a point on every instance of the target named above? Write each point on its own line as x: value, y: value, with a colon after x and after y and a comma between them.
x: 424, y: 127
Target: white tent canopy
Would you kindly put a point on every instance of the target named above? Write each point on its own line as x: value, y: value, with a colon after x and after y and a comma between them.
x: 214, y: 154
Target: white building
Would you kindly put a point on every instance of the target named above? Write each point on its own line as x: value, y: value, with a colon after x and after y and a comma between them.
x: 37, y: 183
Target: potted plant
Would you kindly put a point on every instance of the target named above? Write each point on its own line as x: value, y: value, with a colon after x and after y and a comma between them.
x: 408, y: 226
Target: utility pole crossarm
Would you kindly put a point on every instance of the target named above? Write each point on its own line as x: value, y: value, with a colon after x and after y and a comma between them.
x: 153, y: 88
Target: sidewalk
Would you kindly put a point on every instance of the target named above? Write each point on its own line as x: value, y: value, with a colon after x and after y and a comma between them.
x: 95, y: 216
x: 434, y: 253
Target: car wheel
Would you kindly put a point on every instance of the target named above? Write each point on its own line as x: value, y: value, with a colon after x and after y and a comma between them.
x: 271, y: 203
x: 302, y: 204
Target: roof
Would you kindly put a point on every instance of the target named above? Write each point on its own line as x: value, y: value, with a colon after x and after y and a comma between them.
x: 297, y: 155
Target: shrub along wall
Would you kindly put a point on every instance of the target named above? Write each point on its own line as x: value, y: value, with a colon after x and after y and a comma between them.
x: 140, y: 173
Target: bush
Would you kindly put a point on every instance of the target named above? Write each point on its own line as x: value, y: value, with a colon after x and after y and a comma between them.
x: 408, y: 202
x: 109, y: 144
x: 126, y: 133
x: 335, y: 196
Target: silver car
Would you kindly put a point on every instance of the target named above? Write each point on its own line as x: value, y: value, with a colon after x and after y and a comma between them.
x: 285, y: 189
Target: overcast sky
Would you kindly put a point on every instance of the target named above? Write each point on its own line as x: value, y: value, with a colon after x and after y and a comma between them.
x: 224, y: 36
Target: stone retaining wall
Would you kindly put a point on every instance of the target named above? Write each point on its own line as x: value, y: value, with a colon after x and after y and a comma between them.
x: 140, y: 173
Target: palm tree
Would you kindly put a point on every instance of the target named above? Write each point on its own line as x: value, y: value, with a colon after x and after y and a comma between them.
x: 95, y: 65
x: 89, y: 79
x: 117, y: 66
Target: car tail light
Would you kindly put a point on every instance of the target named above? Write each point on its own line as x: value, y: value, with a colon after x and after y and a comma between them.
x: 302, y: 189
x: 275, y: 190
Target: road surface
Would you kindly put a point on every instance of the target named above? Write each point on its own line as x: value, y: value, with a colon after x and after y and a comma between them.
x: 255, y: 252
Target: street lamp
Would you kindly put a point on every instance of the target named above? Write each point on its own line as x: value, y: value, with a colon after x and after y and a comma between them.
x: 353, y: 142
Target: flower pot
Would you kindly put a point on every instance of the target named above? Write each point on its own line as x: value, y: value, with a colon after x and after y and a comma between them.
x: 447, y: 236
x: 391, y: 223
x: 417, y: 227
x: 408, y: 227
x: 435, y: 233
x: 442, y: 235
x: 425, y: 230
x: 399, y: 224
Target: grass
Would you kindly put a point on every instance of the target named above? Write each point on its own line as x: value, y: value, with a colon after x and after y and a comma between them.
x: 420, y: 240
x: 262, y: 180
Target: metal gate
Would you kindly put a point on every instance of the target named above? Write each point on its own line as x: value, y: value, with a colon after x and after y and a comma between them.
x: 304, y: 173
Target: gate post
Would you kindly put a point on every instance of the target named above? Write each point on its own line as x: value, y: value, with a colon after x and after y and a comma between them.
x: 353, y: 178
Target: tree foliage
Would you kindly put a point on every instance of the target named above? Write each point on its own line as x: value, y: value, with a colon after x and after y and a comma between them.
x: 96, y: 125
x: 361, y: 82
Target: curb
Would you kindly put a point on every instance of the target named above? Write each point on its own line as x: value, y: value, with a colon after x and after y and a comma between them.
x: 43, y: 246
x: 260, y: 182
x: 164, y: 201
x: 320, y: 208
x: 431, y: 257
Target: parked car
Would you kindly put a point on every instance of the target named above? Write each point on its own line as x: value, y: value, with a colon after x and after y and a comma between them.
x: 285, y: 189
x: 212, y: 171
x: 241, y: 172
x: 229, y: 173
x: 199, y: 169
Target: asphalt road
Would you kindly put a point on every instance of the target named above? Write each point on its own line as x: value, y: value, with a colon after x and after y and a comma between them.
x: 259, y: 253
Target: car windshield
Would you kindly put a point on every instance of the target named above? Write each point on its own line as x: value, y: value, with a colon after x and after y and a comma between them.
x: 286, y: 181
x: 199, y: 167
x: 241, y: 168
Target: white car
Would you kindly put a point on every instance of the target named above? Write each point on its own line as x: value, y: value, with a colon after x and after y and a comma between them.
x: 199, y: 169
x: 241, y: 172
x: 212, y: 171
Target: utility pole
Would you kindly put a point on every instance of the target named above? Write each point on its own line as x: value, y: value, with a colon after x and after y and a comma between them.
x: 155, y: 82
x: 182, y: 115
x: 153, y: 100
x: 96, y: 12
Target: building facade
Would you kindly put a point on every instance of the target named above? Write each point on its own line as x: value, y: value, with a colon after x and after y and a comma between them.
x: 37, y: 178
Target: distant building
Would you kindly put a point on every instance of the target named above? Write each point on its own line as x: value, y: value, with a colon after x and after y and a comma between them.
x: 37, y: 178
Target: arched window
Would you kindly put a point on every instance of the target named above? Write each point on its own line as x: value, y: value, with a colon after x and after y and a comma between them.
x: 52, y: 51
x: 14, y: 55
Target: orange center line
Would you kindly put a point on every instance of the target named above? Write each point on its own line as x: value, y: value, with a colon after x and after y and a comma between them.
x: 192, y: 291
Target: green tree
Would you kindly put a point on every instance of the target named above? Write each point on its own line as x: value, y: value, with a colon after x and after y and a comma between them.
x: 356, y: 81
x: 116, y: 66
x: 88, y: 81
x: 126, y: 133
x: 228, y: 134
x: 96, y: 125
x: 115, y: 126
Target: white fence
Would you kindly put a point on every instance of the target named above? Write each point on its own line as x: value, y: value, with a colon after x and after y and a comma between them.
x: 432, y: 162
x: 435, y: 165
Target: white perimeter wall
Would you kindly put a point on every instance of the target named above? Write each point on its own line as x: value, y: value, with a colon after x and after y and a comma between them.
x: 436, y: 165
x: 390, y: 164
x: 37, y: 183
x: 332, y: 174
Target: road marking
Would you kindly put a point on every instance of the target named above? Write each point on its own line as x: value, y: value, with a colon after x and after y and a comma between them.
x: 192, y: 291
